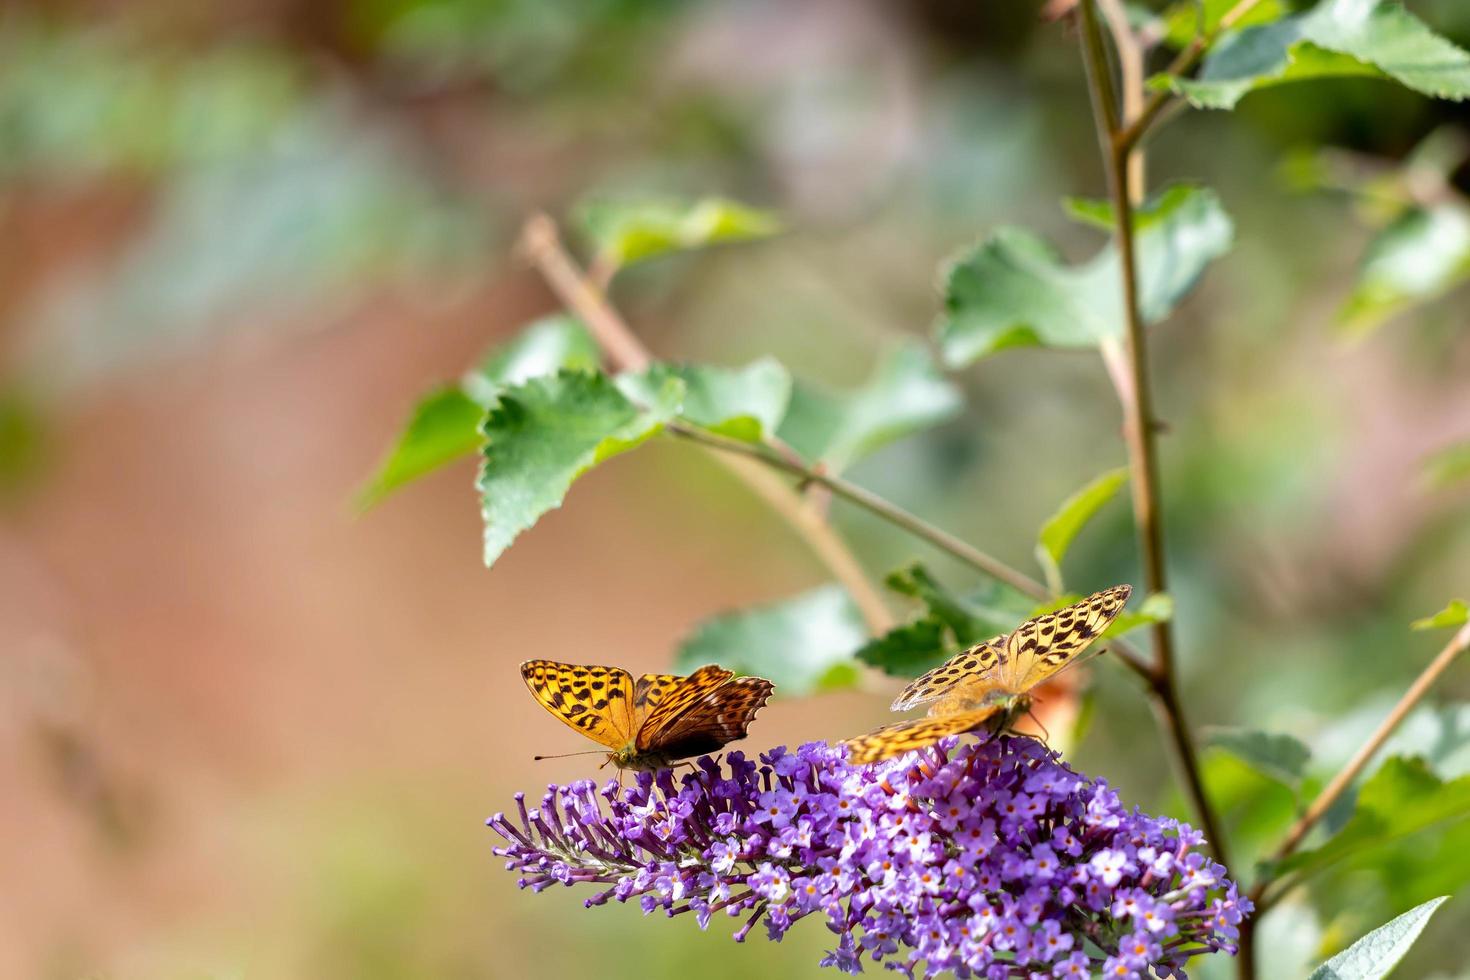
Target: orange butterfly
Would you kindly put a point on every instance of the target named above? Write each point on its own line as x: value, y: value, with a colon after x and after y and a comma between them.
x: 656, y: 721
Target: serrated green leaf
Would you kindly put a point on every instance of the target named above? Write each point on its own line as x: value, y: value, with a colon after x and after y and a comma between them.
x: 1157, y: 608
x: 905, y: 394
x: 1013, y: 290
x: 445, y: 424
x: 625, y: 232
x: 1423, y: 254
x: 1456, y: 613
x: 1336, y: 38
x: 1062, y: 527
x: 546, y: 346
x: 1448, y: 467
x: 1403, y: 797
x: 543, y: 434
x: 1278, y: 756
x: 804, y: 644
x: 948, y: 622
x: 1376, y: 954
x: 444, y: 427
x: 743, y: 403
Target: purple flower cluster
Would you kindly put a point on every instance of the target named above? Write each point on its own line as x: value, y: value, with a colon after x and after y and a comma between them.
x: 991, y: 859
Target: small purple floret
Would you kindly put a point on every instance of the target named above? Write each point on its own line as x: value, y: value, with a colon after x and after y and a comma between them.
x: 991, y: 859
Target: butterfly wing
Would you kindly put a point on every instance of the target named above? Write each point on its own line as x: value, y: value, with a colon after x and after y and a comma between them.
x: 596, y: 701
x: 677, y: 696
x: 650, y: 690
x: 1042, y: 646
x: 891, y: 740
x: 979, y: 661
x: 717, y: 717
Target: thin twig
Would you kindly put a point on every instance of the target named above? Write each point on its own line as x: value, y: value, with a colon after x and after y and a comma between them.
x: 1137, y: 126
x: 1457, y: 645
x: 901, y: 518
x: 542, y: 245
x: 1140, y: 428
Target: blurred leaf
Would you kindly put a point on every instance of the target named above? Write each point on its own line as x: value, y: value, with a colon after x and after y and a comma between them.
x: 803, y: 644
x: 22, y: 439
x: 443, y: 428
x: 1094, y: 212
x: 1376, y: 954
x: 744, y: 403
x: 1057, y: 533
x: 543, y: 434
x: 544, y: 347
x: 905, y: 394
x: 1402, y: 798
x: 1336, y: 38
x: 1448, y: 467
x: 625, y: 232
x: 1184, y: 20
x: 1280, y: 757
x: 1421, y: 255
x: 1012, y: 290
x: 1454, y: 614
x: 445, y: 424
x: 1157, y: 608
x: 947, y: 624
x: 1438, y: 734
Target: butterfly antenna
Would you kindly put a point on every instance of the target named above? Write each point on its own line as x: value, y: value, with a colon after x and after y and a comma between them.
x: 564, y: 755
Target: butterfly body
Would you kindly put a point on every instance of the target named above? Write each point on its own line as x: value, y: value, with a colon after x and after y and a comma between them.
x: 988, y: 685
x: 653, y: 722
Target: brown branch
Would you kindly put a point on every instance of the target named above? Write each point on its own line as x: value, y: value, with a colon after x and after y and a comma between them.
x: 1140, y: 428
x: 1330, y: 794
x: 541, y: 244
x: 897, y: 516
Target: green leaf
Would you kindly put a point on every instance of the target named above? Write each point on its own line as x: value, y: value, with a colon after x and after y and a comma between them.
x: 1012, y: 290
x: 544, y: 347
x: 1448, y: 467
x: 445, y: 425
x: 625, y: 232
x: 1336, y: 38
x: 803, y: 644
x: 1403, y: 797
x: 1187, y: 18
x: 543, y: 434
x: 744, y: 403
x: 1057, y: 533
x: 443, y: 428
x: 1454, y: 614
x: 1421, y: 255
x: 1279, y: 757
x: 905, y: 394
x: 1157, y: 608
x: 948, y: 622
x: 1376, y: 954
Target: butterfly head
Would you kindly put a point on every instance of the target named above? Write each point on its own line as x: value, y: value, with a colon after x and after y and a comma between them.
x: 629, y: 757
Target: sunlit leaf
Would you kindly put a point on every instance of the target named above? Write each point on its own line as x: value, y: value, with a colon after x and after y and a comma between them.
x: 1376, y: 954
x: 1013, y: 290
x: 1422, y: 255
x: 1062, y: 527
x: 625, y: 232
x: 744, y: 403
x: 1448, y: 467
x: 1278, y: 756
x: 905, y: 394
x: 1157, y: 608
x: 445, y: 425
x: 1186, y: 19
x: 1456, y: 613
x: 543, y: 434
x: 1336, y: 38
x: 804, y: 644
x: 1403, y: 797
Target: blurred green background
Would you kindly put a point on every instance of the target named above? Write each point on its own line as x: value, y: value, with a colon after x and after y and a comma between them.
x: 248, y: 734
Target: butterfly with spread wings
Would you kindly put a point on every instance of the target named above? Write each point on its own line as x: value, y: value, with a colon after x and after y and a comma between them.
x: 654, y: 721
x: 988, y: 685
